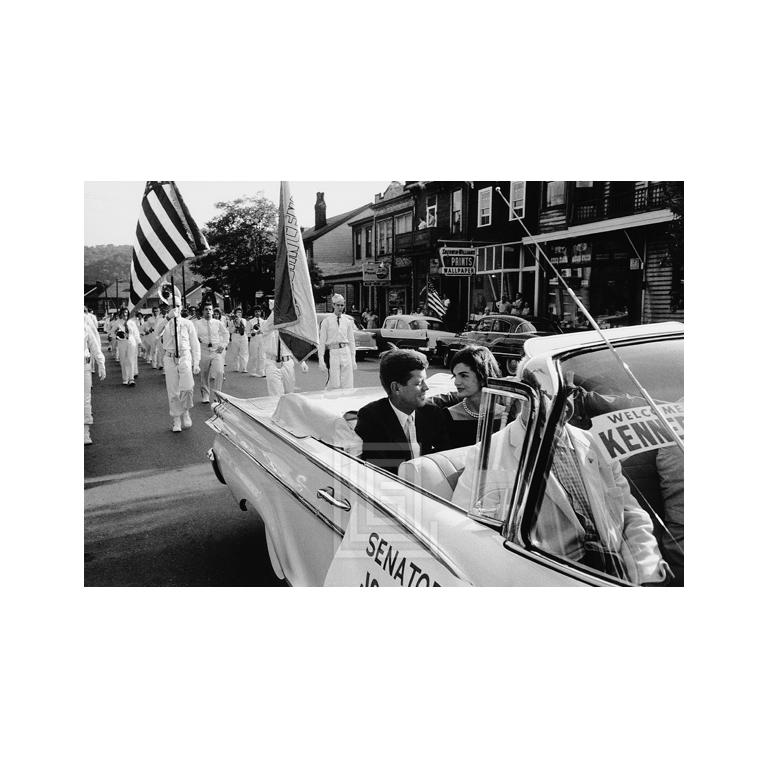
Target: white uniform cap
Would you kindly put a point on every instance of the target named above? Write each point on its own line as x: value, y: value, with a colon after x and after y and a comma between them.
x: 338, y: 297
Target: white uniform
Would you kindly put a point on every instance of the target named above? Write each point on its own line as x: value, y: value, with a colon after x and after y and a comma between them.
x: 212, y: 335
x: 112, y: 326
x: 239, y: 343
x: 179, y: 380
x: 94, y: 324
x: 93, y: 353
x: 157, y: 349
x: 256, y: 359
x: 337, y: 333
x: 279, y: 364
x: 128, y: 349
x: 148, y: 337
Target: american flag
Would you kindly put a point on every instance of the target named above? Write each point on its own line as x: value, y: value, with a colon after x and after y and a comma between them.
x: 435, y: 303
x: 166, y: 235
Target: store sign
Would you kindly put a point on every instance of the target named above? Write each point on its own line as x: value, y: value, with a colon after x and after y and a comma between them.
x: 582, y: 253
x: 457, y: 262
x: 434, y: 266
x: 634, y: 263
x: 403, y: 261
x: 559, y: 254
x: 377, y: 273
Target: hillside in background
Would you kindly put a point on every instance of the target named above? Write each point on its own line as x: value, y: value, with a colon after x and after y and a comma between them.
x: 104, y: 263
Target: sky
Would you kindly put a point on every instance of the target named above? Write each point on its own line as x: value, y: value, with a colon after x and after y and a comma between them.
x: 112, y: 207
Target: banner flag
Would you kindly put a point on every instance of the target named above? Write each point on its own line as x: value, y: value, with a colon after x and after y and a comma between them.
x: 166, y: 235
x: 294, y: 312
x: 435, y: 303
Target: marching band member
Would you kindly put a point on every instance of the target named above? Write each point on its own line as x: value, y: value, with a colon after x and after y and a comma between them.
x: 148, y: 329
x: 181, y: 349
x: 239, y: 336
x: 256, y: 358
x: 128, y: 340
x: 93, y: 353
x: 157, y: 351
x: 112, y: 327
x: 337, y: 333
x: 214, y: 338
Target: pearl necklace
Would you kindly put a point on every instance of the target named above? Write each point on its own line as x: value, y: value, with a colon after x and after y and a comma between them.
x: 469, y: 411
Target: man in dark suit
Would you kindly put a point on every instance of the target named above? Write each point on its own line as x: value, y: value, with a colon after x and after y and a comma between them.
x: 402, y: 425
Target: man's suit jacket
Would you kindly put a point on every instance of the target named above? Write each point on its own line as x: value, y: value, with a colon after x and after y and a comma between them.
x: 385, y: 443
x: 621, y: 522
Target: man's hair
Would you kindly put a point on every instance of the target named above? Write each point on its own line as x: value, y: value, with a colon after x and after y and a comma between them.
x: 206, y: 304
x: 398, y: 365
x: 479, y: 360
x: 337, y: 298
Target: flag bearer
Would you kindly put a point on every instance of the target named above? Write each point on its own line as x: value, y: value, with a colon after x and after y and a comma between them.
x: 93, y: 352
x: 181, y: 350
x: 214, y: 338
x: 279, y: 365
x: 337, y: 333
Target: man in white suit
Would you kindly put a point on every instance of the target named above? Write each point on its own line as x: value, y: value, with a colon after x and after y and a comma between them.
x: 587, y: 513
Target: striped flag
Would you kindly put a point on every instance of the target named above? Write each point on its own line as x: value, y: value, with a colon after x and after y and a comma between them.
x: 294, y: 312
x: 435, y: 303
x: 166, y: 235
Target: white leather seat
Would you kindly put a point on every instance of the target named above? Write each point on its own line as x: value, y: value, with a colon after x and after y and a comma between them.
x: 437, y: 472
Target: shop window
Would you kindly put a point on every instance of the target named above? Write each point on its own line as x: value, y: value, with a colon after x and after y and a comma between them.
x: 432, y: 211
x: 554, y: 193
x: 456, y: 212
x: 516, y: 199
x: 484, y: 207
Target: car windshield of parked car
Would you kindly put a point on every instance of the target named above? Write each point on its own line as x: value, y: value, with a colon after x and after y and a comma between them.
x: 612, y: 497
x: 543, y: 325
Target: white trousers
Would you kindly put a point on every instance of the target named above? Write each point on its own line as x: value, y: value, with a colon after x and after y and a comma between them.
x: 256, y: 359
x: 88, y: 384
x: 211, y: 372
x: 240, y: 344
x: 281, y: 378
x: 179, y: 383
x: 340, y: 368
x: 128, y: 351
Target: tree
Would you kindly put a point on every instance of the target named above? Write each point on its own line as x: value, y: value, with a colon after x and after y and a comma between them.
x: 243, y: 248
x: 243, y: 240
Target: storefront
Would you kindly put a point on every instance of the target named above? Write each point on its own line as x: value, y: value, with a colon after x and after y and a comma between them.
x: 506, y: 269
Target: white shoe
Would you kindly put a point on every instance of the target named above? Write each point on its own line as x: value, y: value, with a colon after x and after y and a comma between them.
x: 176, y: 424
x: 87, y: 440
x: 186, y: 420
x: 206, y: 400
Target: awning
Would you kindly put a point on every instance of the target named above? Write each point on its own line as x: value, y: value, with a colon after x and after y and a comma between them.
x: 604, y: 225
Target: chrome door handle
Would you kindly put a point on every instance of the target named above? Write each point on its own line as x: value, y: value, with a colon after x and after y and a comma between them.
x: 326, y: 494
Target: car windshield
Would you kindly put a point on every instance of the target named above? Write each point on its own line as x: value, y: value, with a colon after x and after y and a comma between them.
x: 542, y: 324
x: 612, y: 498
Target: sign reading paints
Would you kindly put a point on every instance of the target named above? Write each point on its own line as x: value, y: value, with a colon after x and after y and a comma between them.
x: 457, y: 262
x: 377, y: 552
x: 635, y: 430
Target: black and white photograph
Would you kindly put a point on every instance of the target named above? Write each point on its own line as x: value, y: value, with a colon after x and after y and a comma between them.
x: 449, y: 383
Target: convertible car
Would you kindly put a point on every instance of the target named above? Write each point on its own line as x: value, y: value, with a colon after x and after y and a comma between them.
x: 507, y: 511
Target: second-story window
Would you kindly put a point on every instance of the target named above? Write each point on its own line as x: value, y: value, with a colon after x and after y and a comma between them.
x: 368, y: 241
x: 432, y: 211
x: 384, y: 237
x: 455, y: 211
x: 484, y: 207
x: 516, y: 199
x: 554, y: 193
x: 358, y: 244
x: 402, y: 224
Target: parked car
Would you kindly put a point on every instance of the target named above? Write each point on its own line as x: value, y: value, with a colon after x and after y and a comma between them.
x: 412, y: 332
x: 365, y: 344
x: 333, y: 519
x: 504, y: 335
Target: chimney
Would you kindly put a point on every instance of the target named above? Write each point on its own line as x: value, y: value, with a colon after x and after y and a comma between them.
x: 320, y: 220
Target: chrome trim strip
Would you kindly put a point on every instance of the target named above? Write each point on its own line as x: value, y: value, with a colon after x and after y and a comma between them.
x: 316, y: 512
x: 375, y: 503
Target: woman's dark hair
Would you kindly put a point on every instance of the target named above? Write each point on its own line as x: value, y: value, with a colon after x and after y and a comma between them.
x: 398, y: 365
x: 479, y: 360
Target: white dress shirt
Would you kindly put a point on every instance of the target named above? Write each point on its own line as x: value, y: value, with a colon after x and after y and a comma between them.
x: 335, y: 330
x: 408, y: 423
x: 211, y: 332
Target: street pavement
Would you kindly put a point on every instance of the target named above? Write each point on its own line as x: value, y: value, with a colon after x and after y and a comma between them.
x: 155, y: 514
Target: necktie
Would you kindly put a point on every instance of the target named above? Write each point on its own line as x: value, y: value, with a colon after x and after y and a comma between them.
x: 338, y: 320
x: 279, y: 351
x: 210, y: 340
x: 410, y: 433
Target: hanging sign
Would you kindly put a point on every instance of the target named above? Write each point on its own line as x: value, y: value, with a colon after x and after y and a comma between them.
x: 378, y: 552
x: 559, y: 254
x: 457, y: 262
x: 582, y: 253
x: 377, y: 273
